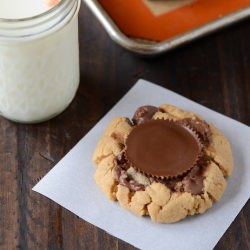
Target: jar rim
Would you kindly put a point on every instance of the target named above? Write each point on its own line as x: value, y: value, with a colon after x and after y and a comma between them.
x: 38, y: 16
x: 39, y: 25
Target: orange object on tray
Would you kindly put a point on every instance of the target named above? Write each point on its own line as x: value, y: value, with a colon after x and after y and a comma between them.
x: 136, y: 19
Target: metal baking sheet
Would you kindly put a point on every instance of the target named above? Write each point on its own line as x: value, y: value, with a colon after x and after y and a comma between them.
x: 145, y: 47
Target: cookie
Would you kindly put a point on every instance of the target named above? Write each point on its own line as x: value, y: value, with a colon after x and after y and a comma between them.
x: 165, y: 163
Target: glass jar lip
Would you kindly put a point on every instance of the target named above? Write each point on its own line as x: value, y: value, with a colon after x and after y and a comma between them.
x: 38, y: 26
x: 38, y: 16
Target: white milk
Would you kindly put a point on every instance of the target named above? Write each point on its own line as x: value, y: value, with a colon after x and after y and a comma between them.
x: 14, y: 9
x: 39, y: 64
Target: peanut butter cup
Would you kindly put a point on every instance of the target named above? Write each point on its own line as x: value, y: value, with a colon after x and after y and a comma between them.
x: 162, y: 148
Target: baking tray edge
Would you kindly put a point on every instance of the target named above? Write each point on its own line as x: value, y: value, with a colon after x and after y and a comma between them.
x: 143, y: 47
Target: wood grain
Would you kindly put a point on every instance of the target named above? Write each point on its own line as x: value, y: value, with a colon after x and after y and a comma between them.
x: 213, y: 71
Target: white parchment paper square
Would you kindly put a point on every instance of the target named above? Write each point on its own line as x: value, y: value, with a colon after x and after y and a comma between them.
x: 70, y: 183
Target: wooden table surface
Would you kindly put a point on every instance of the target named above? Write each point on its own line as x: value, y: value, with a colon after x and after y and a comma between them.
x: 213, y: 71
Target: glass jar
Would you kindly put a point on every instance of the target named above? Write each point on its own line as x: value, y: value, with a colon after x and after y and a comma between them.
x: 39, y: 63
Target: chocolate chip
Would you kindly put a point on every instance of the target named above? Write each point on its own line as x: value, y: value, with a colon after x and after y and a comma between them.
x: 143, y: 114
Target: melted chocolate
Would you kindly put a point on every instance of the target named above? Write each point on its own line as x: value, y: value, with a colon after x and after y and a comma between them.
x: 124, y: 179
x: 193, y: 182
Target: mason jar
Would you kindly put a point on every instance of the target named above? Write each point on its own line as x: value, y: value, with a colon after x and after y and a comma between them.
x: 39, y: 59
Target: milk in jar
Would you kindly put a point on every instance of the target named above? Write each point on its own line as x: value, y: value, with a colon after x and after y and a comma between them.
x: 39, y: 58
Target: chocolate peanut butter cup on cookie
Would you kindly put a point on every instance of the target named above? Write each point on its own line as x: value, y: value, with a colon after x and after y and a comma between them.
x: 166, y: 163
x: 162, y: 148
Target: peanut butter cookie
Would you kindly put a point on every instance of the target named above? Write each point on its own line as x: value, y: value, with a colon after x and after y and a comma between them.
x: 165, y: 163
